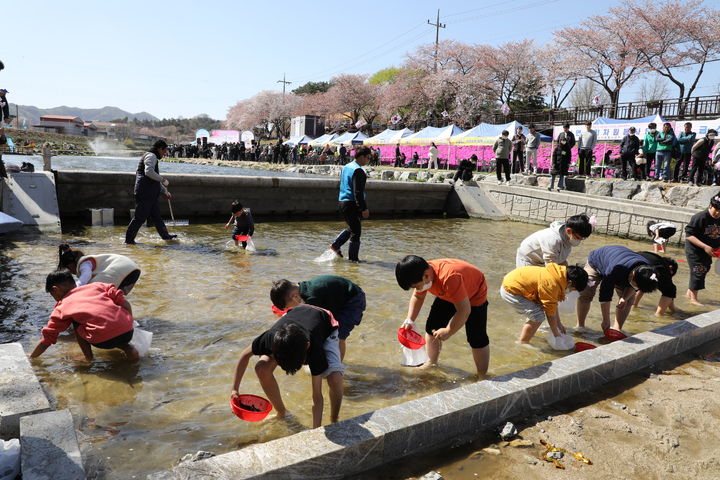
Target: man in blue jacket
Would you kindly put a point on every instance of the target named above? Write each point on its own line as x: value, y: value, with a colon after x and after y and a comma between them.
x: 620, y: 269
x: 352, y: 203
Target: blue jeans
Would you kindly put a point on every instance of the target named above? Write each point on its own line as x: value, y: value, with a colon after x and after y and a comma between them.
x: 662, y: 162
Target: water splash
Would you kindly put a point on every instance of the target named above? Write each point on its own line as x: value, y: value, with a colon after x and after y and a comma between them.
x: 327, y: 256
x: 102, y: 146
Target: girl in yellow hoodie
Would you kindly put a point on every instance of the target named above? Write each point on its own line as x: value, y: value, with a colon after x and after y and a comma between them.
x: 536, y: 291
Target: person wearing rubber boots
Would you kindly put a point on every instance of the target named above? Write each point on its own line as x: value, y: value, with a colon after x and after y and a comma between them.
x: 148, y: 187
x: 352, y: 203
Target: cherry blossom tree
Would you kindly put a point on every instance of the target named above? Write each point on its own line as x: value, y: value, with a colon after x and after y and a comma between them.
x: 349, y: 98
x: 268, y: 110
x: 559, y: 76
x: 602, y: 48
x: 673, y: 37
x: 512, y: 76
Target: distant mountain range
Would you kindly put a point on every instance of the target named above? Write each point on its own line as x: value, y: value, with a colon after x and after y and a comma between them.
x: 104, y: 114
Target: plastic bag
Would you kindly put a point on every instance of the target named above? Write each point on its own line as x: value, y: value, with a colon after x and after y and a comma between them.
x: 568, y: 305
x: 414, y: 358
x: 250, y: 245
x: 563, y: 342
x: 9, y: 459
x: 141, y: 341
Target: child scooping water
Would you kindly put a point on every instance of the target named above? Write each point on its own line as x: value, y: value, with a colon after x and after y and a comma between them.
x: 660, y: 233
x: 101, y: 316
x: 305, y: 335
x: 118, y: 270
x: 536, y: 291
x: 343, y: 298
x: 460, y: 301
x: 243, y: 222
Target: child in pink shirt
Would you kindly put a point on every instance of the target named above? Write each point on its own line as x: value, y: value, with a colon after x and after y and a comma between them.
x: 101, y: 316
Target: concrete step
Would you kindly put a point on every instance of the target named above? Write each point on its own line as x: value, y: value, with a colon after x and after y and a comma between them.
x: 478, y: 203
x: 32, y: 199
x: 20, y: 391
x: 49, y: 447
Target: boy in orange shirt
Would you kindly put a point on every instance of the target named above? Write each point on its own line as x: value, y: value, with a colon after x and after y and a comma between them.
x: 461, y: 300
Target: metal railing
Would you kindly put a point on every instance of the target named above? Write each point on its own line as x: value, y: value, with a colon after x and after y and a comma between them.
x: 695, y: 107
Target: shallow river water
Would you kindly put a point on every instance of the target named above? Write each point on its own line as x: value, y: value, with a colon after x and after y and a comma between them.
x: 205, y: 301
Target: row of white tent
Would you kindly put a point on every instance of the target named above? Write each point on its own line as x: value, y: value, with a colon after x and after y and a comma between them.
x: 482, y: 134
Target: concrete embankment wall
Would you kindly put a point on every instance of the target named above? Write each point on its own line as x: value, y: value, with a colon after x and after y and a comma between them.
x: 615, y: 216
x: 209, y: 195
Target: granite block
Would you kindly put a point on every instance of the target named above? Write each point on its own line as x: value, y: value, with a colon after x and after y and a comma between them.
x: 49, y: 448
x: 20, y: 390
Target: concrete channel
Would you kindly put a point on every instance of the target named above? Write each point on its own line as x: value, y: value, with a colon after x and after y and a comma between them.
x: 368, y: 441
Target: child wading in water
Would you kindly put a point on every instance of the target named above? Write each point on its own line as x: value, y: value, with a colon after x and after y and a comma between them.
x: 305, y: 335
x: 243, y: 222
x: 461, y: 301
x: 343, y: 298
x: 702, y: 236
x: 536, y: 291
x: 101, y: 316
x: 660, y: 233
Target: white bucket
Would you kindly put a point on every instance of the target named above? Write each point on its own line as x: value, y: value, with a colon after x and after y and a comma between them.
x: 96, y: 217
x: 108, y: 216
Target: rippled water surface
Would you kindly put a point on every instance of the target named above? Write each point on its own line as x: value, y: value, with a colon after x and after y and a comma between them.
x: 205, y: 302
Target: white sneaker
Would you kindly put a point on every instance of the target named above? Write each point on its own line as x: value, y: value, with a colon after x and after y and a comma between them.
x: 500, y: 182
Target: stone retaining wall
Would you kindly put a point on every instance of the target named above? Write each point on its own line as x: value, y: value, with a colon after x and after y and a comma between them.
x: 615, y: 216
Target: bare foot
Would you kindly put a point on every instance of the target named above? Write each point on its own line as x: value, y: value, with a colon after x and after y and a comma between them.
x: 427, y: 365
x: 693, y: 301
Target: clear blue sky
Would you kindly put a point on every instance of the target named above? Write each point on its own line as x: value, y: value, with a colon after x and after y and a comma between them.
x: 182, y: 58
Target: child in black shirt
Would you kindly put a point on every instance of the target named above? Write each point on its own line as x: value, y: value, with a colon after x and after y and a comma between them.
x: 305, y: 335
x: 702, y: 236
x: 243, y: 222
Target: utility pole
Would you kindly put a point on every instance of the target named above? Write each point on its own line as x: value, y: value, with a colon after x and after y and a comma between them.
x: 437, y: 26
x: 284, y: 83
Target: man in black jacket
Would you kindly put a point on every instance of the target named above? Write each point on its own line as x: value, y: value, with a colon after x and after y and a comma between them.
x: 569, y: 143
x: 629, y: 147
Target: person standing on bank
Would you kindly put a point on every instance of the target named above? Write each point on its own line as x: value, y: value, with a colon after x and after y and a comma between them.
x: 629, y: 148
x: 518, y: 142
x: 531, y: 149
x: 586, y: 145
x: 501, y: 148
x: 352, y: 203
x: 649, y: 147
x: 686, y: 139
x: 148, y: 187
x: 663, y: 155
x: 700, y: 155
x: 433, y: 156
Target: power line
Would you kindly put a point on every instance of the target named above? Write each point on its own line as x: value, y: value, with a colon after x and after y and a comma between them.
x: 382, y: 46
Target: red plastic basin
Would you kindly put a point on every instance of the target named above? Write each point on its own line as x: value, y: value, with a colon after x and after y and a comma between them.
x: 410, y: 338
x: 264, y: 406
x: 614, y: 335
x: 582, y: 346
